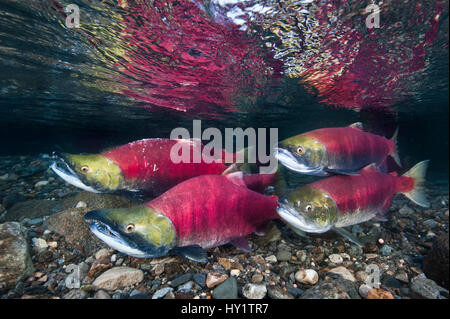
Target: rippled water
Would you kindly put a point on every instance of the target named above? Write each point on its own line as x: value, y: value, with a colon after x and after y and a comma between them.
x: 141, y: 68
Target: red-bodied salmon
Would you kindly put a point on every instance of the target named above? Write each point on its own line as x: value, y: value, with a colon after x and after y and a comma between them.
x: 197, y: 214
x: 140, y: 167
x: 341, y: 200
x: 340, y: 150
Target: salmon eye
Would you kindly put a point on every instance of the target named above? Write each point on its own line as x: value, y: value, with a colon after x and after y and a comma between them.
x: 308, y: 208
x: 84, y: 169
x: 129, y: 228
x: 300, y: 150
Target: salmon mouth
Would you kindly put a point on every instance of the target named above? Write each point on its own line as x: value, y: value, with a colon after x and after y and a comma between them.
x: 299, y: 221
x: 63, y: 170
x: 110, y: 234
x: 290, y: 161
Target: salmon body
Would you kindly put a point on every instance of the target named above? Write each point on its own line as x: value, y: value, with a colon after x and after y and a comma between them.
x: 200, y: 213
x: 210, y: 211
x: 340, y: 150
x: 142, y: 167
x: 341, y: 201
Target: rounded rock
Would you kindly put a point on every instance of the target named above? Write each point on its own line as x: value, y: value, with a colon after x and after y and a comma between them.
x: 336, y: 259
x: 118, y: 277
x: 307, y: 276
x: 254, y: 291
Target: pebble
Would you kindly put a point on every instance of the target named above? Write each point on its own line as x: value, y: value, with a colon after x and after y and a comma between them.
x: 336, y: 259
x: 283, y: 255
x: 39, y: 244
x: 200, y: 279
x: 101, y: 294
x: 430, y: 224
x: 364, y: 290
x: 180, y: 280
x: 213, y: 279
x: 254, y: 291
x: 271, y: 259
x: 386, y: 250
x: 186, y: 288
x: 235, y: 272
x: 118, y: 277
x: 41, y: 183
x: 257, y: 278
x: 102, y: 253
x: 226, y: 290
x: 159, y: 269
x: 308, y: 276
x: 276, y: 292
x: 344, y: 273
x: 161, y: 293
x: 75, y: 294
x: 378, y: 293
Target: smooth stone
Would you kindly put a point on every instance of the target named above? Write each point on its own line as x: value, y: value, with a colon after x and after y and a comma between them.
x: 118, y: 277
x: 15, y: 259
x: 235, y: 272
x: 336, y: 259
x: 296, y: 292
x: 257, y: 278
x: 180, y: 280
x: 436, y: 262
x: 102, y: 253
x: 75, y: 294
x: 344, y: 273
x: 214, y: 279
x: 161, y: 293
x: 39, y: 244
x: 254, y: 291
x: 378, y: 293
x: 284, y: 255
x: 307, y: 276
x: 389, y: 281
x: 186, y: 288
x: 101, y: 294
x: 333, y: 289
x: 276, y: 292
x: 200, y: 279
x: 271, y: 259
x: 226, y: 290
x: 424, y: 288
x: 386, y: 250
x: 364, y: 290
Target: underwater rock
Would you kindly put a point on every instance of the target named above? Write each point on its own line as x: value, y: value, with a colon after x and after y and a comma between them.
x: 344, y: 273
x: 31, y: 209
x: 15, y: 260
x: 214, y: 279
x: 11, y: 199
x: 424, y: 288
x: 101, y: 294
x: 96, y: 201
x: 333, y: 289
x: 118, y: 277
x: 378, y: 293
x: 435, y: 263
x: 75, y: 294
x: 70, y: 224
x: 308, y: 276
x: 253, y: 291
x: 276, y: 292
x: 226, y: 290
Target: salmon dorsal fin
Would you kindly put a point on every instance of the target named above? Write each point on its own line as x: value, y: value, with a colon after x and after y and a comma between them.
x: 236, y: 178
x: 370, y: 167
x: 357, y: 125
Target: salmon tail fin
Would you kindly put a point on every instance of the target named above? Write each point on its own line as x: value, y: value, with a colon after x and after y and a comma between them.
x: 417, y: 194
x: 394, y: 153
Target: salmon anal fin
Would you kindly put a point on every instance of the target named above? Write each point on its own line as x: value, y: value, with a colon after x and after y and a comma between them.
x: 241, y: 243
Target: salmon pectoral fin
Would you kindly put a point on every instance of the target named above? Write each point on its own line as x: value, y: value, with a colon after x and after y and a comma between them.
x: 241, y: 243
x: 348, y: 235
x: 194, y: 253
x: 341, y: 172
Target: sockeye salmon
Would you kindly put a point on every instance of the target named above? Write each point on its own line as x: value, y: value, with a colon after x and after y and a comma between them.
x: 341, y: 201
x: 200, y: 213
x: 340, y: 150
x: 140, y: 167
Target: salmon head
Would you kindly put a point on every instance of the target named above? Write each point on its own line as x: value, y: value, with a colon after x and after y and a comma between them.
x: 138, y: 231
x: 303, y: 154
x: 93, y: 172
x: 308, y: 209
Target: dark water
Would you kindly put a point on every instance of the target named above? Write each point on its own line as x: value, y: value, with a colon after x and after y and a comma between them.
x: 138, y: 69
